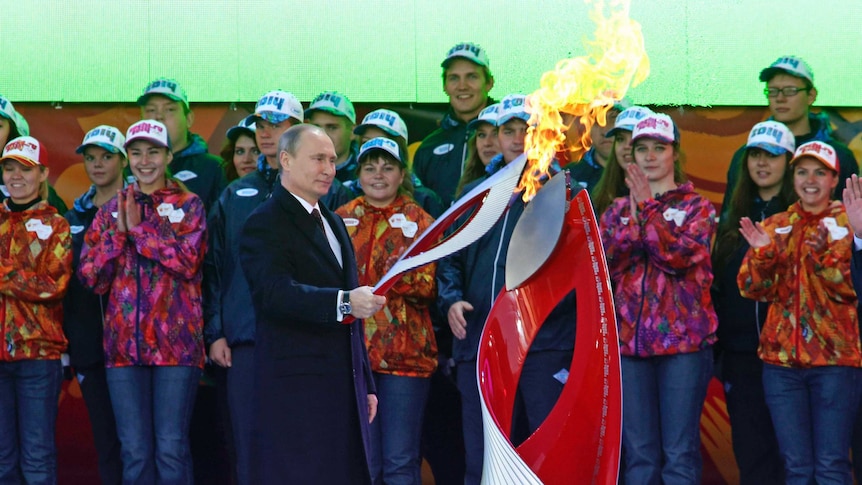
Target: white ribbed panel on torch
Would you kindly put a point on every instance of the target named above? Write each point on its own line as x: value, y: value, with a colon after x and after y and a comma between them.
x: 500, y: 188
x: 502, y: 464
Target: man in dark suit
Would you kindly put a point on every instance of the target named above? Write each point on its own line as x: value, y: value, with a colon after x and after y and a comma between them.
x: 314, y: 393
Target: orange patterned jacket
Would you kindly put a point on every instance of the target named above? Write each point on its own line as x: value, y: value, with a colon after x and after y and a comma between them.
x: 812, y: 316
x: 35, y: 267
x: 400, y: 338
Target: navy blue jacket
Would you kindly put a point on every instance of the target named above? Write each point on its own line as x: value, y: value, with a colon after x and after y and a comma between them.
x: 199, y: 171
x: 739, y: 319
x: 83, y: 310
x: 476, y: 274
x: 227, y: 301
x: 587, y: 171
x: 856, y: 276
x: 439, y: 160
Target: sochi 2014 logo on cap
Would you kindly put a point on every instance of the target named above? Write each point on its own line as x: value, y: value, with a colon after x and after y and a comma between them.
x: 816, y: 148
x: 160, y: 85
x: 22, y: 145
x: 145, y: 127
x: 381, y: 116
x: 101, y: 132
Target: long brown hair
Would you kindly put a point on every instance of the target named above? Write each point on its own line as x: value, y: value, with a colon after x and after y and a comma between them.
x: 473, y: 167
x: 611, y: 184
x: 745, y: 193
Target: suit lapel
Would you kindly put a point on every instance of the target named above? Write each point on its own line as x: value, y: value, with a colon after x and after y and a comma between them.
x: 308, y: 227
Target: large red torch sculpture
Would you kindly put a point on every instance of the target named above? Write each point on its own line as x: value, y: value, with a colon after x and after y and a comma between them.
x: 555, y: 248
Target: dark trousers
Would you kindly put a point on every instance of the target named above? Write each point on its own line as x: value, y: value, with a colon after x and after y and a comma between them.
x: 94, y: 388
x: 754, y: 444
x: 471, y: 417
x: 538, y: 391
x: 442, y: 441
x: 240, y: 400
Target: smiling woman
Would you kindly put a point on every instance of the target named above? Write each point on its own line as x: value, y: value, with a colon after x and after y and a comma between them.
x: 799, y: 261
x: 35, y: 271
x: 400, y: 338
x: 145, y: 250
x: 657, y: 248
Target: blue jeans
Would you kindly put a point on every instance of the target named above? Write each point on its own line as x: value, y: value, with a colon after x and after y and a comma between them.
x: 153, y: 406
x: 813, y: 411
x: 397, y: 430
x: 29, y: 400
x: 662, y: 403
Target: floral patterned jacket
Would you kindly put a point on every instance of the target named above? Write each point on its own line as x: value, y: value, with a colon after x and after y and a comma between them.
x: 660, y: 266
x: 400, y: 338
x: 812, y: 317
x: 35, y: 268
x: 153, y: 274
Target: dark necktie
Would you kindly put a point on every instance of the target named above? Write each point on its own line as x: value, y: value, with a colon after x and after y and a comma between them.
x: 317, y: 216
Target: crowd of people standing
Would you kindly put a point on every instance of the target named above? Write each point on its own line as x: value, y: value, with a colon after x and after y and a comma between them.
x: 261, y: 263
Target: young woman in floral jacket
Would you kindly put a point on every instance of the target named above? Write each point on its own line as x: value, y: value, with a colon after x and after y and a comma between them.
x: 35, y: 268
x: 402, y: 349
x: 799, y: 261
x: 657, y: 243
x: 145, y: 248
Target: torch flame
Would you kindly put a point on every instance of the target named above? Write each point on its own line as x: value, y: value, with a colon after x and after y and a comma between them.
x: 582, y: 90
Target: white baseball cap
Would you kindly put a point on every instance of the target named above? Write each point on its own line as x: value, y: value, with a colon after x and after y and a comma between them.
x: 488, y: 115
x: 628, y: 118
x: 512, y: 106
x: 332, y: 102
x: 150, y: 130
x: 7, y: 110
x: 276, y: 107
x: 788, y: 64
x: 822, y: 152
x: 104, y: 136
x: 773, y: 137
x: 384, y: 144
x: 658, y: 126
x: 243, y: 126
x: 467, y: 50
x: 165, y: 87
x: 26, y: 150
x: 387, y: 120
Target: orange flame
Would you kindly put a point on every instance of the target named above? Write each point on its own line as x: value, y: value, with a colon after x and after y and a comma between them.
x: 582, y: 90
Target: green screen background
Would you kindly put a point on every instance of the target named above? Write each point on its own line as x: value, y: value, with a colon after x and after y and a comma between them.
x: 702, y: 53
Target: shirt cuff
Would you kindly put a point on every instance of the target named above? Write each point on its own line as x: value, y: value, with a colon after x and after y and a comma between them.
x: 338, y: 315
x: 857, y: 243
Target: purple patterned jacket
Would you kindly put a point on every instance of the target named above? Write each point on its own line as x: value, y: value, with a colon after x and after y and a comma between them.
x: 661, y: 272
x: 153, y: 274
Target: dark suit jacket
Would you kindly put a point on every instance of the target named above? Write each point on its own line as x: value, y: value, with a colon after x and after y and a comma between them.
x: 312, y: 374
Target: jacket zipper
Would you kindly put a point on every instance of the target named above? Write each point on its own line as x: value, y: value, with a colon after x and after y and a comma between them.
x: 373, y: 241
x: 757, y: 303
x: 641, y: 306
x: 138, y: 303
x: 8, y: 346
x: 497, y: 258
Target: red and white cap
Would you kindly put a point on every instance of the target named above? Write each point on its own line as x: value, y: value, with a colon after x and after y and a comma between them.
x: 150, y: 130
x: 822, y: 152
x: 27, y: 151
x: 658, y: 126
